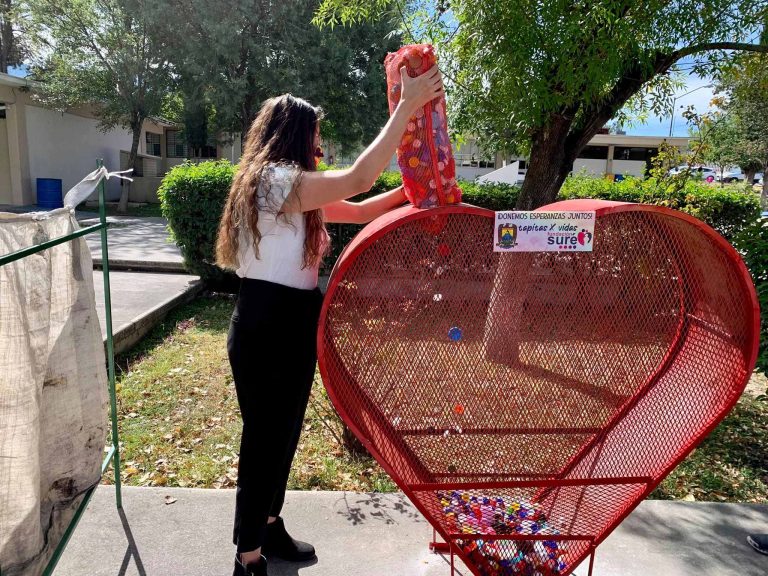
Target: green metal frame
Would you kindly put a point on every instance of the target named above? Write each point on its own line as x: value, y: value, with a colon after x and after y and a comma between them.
x: 113, y: 453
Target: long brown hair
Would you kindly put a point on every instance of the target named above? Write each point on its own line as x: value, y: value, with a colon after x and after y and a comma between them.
x: 282, y: 133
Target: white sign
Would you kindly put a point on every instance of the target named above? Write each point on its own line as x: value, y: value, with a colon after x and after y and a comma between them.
x: 544, y: 232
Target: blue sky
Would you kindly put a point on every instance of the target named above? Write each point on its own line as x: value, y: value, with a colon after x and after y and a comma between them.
x: 700, y: 99
x: 21, y: 71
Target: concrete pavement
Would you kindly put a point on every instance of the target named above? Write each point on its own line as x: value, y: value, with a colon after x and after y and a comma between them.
x: 382, y: 535
x: 135, y: 243
x: 140, y: 300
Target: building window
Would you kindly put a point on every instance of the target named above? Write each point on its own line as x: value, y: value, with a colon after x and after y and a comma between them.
x: 640, y: 154
x: 2, y: 111
x: 153, y: 144
x: 207, y: 152
x: 175, y: 147
x: 594, y: 153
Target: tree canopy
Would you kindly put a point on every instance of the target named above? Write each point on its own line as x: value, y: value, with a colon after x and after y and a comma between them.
x: 243, y: 52
x: 102, y: 53
x: 744, y: 86
x: 544, y: 77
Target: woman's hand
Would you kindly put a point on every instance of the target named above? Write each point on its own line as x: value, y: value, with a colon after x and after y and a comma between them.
x: 416, y: 92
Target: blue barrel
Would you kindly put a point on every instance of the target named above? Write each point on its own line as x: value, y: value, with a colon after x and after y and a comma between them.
x: 49, y: 193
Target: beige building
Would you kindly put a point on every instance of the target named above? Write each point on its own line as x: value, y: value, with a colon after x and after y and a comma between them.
x: 36, y: 142
x: 161, y: 148
x: 622, y: 155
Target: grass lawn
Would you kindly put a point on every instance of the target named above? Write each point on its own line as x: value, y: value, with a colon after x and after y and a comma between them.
x: 180, y: 425
x: 179, y: 420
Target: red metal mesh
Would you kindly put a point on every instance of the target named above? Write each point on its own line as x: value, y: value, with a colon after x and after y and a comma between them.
x: 568, y: 382
x: 425, y: 155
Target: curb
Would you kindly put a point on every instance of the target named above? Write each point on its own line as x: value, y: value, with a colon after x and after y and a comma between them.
x: 130, y: 333
x: 141, y: 266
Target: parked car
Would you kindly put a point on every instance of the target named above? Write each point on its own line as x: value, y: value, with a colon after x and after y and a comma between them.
x: 700, y: 172
x: 733, y: 175
x: 758, y: 178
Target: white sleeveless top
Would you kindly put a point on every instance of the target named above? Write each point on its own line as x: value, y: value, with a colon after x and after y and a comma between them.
x: 281, y: 248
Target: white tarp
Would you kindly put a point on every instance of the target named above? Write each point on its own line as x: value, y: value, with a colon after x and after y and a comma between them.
x: 53, y: 388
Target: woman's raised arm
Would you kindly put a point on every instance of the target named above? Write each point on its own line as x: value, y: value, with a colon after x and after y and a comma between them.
x: 318, y: 189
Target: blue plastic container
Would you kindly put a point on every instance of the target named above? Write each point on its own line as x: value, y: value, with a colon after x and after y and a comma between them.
x: 49, y: 193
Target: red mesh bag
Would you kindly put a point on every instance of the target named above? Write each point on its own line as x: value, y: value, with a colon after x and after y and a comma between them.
x: 424, y: 155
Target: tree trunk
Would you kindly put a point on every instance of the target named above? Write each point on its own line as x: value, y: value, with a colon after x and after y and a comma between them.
x: 122, y: 206
x: 6, y: 36
x: 549, y: 165
x: 248, y: 110
x: 764, y: 194
x: 749, y: 176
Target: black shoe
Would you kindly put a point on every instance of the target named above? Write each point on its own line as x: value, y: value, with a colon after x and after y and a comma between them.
x: 258, y: 568
x: 759, y: 542
x: 279, y: 544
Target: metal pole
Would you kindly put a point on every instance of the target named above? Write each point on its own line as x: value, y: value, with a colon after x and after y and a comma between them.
x: 110, y: 343
x: 674, y: 101
x: 24, y: 252
x: 672, y: 118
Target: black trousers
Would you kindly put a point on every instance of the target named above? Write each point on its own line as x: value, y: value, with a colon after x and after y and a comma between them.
x: 272, y: 351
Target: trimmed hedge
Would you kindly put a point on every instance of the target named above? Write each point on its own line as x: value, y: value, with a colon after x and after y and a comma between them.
x: 192, y: 198
x: 752, y: 242
x: 727, y: 209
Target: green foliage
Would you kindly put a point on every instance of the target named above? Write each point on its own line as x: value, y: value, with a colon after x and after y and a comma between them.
x: 512, y: 63
x: 723, y: 141
x: 256, y: 50
x: 13, y: 45
x: 105, y: 53
x: 727, y: 209
x: 546, y: 76
x: 745, y: 89
x: 386, y: 181
x: 752, y: 242
x: 192, y: 198
x: 491, y: 196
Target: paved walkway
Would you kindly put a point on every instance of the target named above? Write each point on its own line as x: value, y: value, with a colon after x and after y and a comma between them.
x: 382, y: 535
x: 140, y: 300
x: 135, y: 243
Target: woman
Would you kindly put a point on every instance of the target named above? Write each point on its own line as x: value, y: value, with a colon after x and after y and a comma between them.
x: 273, y: 234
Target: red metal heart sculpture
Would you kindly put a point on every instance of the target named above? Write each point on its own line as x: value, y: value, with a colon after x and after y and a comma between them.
x: 527, y: 402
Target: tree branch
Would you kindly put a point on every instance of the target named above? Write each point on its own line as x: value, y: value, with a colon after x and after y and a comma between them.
x: 711, y: 46
x: 632, y: 80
